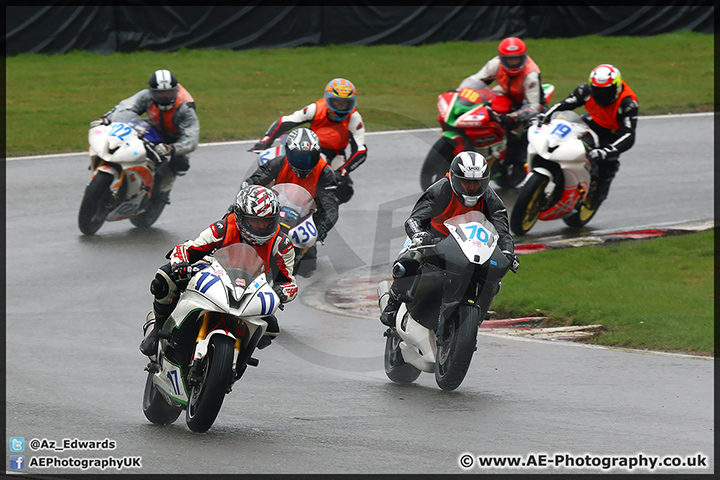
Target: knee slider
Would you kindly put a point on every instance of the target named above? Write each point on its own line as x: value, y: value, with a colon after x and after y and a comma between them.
x: 159, y: 287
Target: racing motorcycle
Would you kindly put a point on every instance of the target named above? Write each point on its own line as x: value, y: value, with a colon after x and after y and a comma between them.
x: 207, y: 343
x: 469, y: 120
x: 296, y: 218
x: 458, y: 277
x: 559, y: 183
x: 125, y: 169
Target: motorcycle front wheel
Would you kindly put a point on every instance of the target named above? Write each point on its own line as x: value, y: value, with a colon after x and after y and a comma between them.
x: 529, y: 205
x: 436, y: 163
x: 155, y: 408
x: 215, y: 373
x: 94, y: 208
x: 395, y: 367
x: 456, y: 349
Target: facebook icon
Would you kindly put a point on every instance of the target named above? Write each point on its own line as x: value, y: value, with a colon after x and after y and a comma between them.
x: 17, y: 462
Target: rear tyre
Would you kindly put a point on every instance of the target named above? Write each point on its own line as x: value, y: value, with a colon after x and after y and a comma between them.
x: 152, y: 212
x: 155, y: 407
x: 529, y: 204
x: 455, y: 350
x: 216, y: 374
x: 436, y: 163
x: 580, y: 217
x: 94, y: 206
x: 395, y: 367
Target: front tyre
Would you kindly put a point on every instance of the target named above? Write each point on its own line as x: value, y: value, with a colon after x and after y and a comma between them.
x: 456, y: 349
x: 395, y: 367
x: 436, y: 163
x: 529, y: 204
x: 94, y: 206
x: 155, y: 407
x: 215, y: 374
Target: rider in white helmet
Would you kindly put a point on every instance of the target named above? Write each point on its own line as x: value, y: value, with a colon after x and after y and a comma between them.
x: 463, y: 189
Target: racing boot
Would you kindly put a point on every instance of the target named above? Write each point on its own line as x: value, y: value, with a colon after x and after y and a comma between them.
x: 387, y: 317
x: 151, y: 329
x: 272, y: 331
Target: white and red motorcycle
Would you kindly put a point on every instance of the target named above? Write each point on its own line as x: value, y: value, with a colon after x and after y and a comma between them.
x: 296, y: 218
x: 559, y: 183
x: 208, y: 341
x: 125, y: 170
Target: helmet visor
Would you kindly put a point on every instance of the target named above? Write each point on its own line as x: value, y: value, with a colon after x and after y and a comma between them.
x: 513, y: 63
x: 341, y: 105
x: 604, y: 96
x: 471, y: 187
x: 164, y: 97
x: 302, y: 163
x: 260, y: 229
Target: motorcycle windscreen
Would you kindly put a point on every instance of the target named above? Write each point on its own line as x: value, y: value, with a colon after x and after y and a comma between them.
x: 241, y: 262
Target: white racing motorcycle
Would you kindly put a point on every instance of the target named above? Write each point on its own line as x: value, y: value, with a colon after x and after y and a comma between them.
x: 296, y: 218
x: 207, y: 342
x: 559, y: 183
x: 125, y: 170
x: 436, y: 332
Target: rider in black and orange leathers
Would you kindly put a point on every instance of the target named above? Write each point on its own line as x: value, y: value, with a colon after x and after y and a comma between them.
x: 612, y: 110
x: 465, y: 188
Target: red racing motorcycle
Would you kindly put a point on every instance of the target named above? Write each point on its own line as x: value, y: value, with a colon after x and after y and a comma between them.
x: 469, y: 121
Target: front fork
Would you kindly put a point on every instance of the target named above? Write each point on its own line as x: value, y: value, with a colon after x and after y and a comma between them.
x: 195, y: 372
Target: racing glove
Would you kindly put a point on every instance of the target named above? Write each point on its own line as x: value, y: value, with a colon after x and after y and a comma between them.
x: 262, y: 144
x: 179, y: 261
x: 514, y: 261
x: 99, y: 121
x: 421, y: 238
x: 287, y: 291
x: 164, y: 149
x: 542, y: 119
x: 322, y: 233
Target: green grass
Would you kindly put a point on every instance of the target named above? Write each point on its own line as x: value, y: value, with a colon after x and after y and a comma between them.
x: 51, y: 98
x: 655, y: 294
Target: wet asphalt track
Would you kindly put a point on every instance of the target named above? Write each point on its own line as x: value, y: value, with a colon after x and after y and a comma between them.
x: 319, y: 402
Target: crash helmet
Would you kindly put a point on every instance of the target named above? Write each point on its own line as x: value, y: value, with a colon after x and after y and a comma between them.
x: 469, y: 177
x: 513, y: 54
x: 302, y: 149
x: 605, y: 84
x: 163, y: 89
x: 341, y: 98
x: 257, y: 213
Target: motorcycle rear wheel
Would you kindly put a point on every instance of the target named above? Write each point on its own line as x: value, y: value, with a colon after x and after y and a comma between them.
x: 151, y: 214
x: 529, y: 205
x: 436, y: 163
x: 395, y: 367
x: 93, y: 208
x: 207, y: 397
x: 455, y: 351
x: 580, y: 218
x: 155, y: 408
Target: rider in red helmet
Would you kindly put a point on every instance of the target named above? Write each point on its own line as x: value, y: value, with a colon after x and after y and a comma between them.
x: 518, y: 77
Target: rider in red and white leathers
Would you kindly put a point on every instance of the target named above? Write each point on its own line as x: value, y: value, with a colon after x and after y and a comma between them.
x: 255, y: 220
x: 337, y: 123
x: 518, y: 77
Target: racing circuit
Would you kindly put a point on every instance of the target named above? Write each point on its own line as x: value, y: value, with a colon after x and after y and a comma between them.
x: 319, y: 401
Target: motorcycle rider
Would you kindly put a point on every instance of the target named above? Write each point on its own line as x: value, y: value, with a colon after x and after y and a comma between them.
x: 337, y: 123
x: 612, y: 110
x: 302, y: 165
x: 172, y: 109
x: 463, y: 189
x: 255, y: 220
x: 518, y: 77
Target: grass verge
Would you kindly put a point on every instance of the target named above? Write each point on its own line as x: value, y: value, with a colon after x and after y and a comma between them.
x: 655, y: 294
